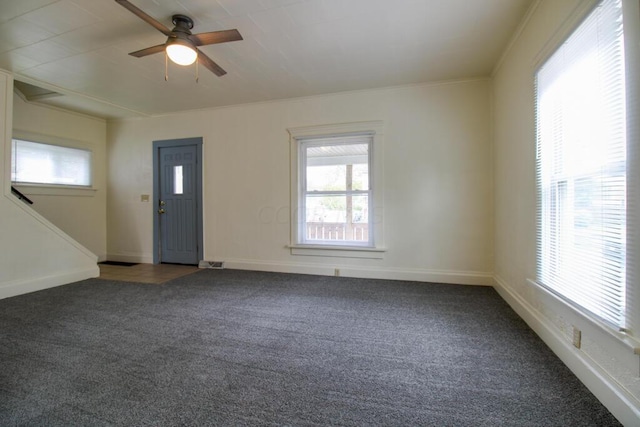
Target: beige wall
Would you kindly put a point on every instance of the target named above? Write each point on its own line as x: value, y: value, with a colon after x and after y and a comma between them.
x: 605, y: 362
x: 34, y: 253
x: 438, y: 209
x: 80, y: 213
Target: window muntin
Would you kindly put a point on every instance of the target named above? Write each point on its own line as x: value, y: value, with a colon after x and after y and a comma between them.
x: 47, y: 164
x: 581, y: 167
x: 335, y: 191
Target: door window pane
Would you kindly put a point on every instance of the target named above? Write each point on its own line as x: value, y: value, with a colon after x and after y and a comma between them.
x: 178, y: 180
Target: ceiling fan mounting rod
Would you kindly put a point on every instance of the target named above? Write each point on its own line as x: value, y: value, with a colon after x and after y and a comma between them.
x: 182, y: 22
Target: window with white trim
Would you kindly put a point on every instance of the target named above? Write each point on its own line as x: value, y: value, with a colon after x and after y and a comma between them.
x: 336, y: 204
x: 581, y: 167
x: 335, y: 191
x: 47, y: 164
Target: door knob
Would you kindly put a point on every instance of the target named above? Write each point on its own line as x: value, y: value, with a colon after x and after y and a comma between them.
x: 160, y: 211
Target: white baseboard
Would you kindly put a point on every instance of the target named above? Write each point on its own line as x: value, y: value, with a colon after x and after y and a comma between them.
x: 20, y: 287
x: 616, y: 398
x: 418, y: 275
x: 123, y: 257
x: 434, y: 276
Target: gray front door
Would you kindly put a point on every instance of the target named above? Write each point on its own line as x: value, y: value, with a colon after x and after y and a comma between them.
x: 178, y: 197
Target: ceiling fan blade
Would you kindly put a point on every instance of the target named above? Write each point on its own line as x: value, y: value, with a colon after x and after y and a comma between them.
x: 215, y: 37
x: 148, y: 51
x: 212, y: 66
x: 142, y: 15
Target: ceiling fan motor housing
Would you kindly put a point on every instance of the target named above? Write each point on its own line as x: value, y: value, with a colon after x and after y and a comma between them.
x: 181, y: 32
x: 182, y: 23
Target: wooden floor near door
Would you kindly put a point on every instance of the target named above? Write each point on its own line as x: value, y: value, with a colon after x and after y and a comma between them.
x: 145, y: 273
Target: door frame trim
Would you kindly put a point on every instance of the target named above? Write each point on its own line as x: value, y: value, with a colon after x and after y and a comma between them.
x: 165, y: 143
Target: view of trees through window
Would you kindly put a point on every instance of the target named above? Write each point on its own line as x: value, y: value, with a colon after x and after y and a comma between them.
x: 337, y: 192
x: 334, y: 208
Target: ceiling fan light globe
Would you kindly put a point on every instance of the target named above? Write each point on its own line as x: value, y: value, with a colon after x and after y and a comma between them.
x: 181, y: 54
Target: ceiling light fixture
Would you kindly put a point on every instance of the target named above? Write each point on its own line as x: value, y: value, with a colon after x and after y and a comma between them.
x: 181, y: 51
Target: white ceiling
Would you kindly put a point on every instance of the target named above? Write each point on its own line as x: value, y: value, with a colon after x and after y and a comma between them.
x: 291, y: 48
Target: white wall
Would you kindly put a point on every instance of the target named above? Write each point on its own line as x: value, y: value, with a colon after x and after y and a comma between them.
x: 606, y: 362
x: 438, y: 215
x: 34, y: 254
x: 80, y: 213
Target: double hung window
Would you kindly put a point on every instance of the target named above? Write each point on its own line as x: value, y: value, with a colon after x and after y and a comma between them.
x: 581, y: 166
x: 335, y: 193
x: 336, y: 196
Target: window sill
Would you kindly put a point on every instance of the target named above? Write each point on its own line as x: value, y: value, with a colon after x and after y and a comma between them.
x: 592, y: 325
x: 338, y: 251
x: 55, y: 190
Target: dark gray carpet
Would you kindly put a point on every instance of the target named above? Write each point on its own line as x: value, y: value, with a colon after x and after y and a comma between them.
x: 222, y: 347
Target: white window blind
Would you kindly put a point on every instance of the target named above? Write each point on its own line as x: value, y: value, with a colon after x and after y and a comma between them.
x: 581, y: 166
x: 37, y: 163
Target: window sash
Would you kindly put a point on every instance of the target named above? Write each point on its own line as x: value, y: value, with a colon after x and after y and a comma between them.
x: 48, y: 164
x: 304, y: 194
x: 581, y: 167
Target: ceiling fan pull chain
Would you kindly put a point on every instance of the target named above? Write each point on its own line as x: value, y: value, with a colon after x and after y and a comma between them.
x: 197, y: 69
x: 166, y: 67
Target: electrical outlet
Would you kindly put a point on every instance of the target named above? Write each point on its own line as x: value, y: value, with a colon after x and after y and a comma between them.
x: 336, y: 272
x: 577, y: 337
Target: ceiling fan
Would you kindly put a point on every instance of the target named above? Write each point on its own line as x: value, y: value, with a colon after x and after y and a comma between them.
x: 181, y: 45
